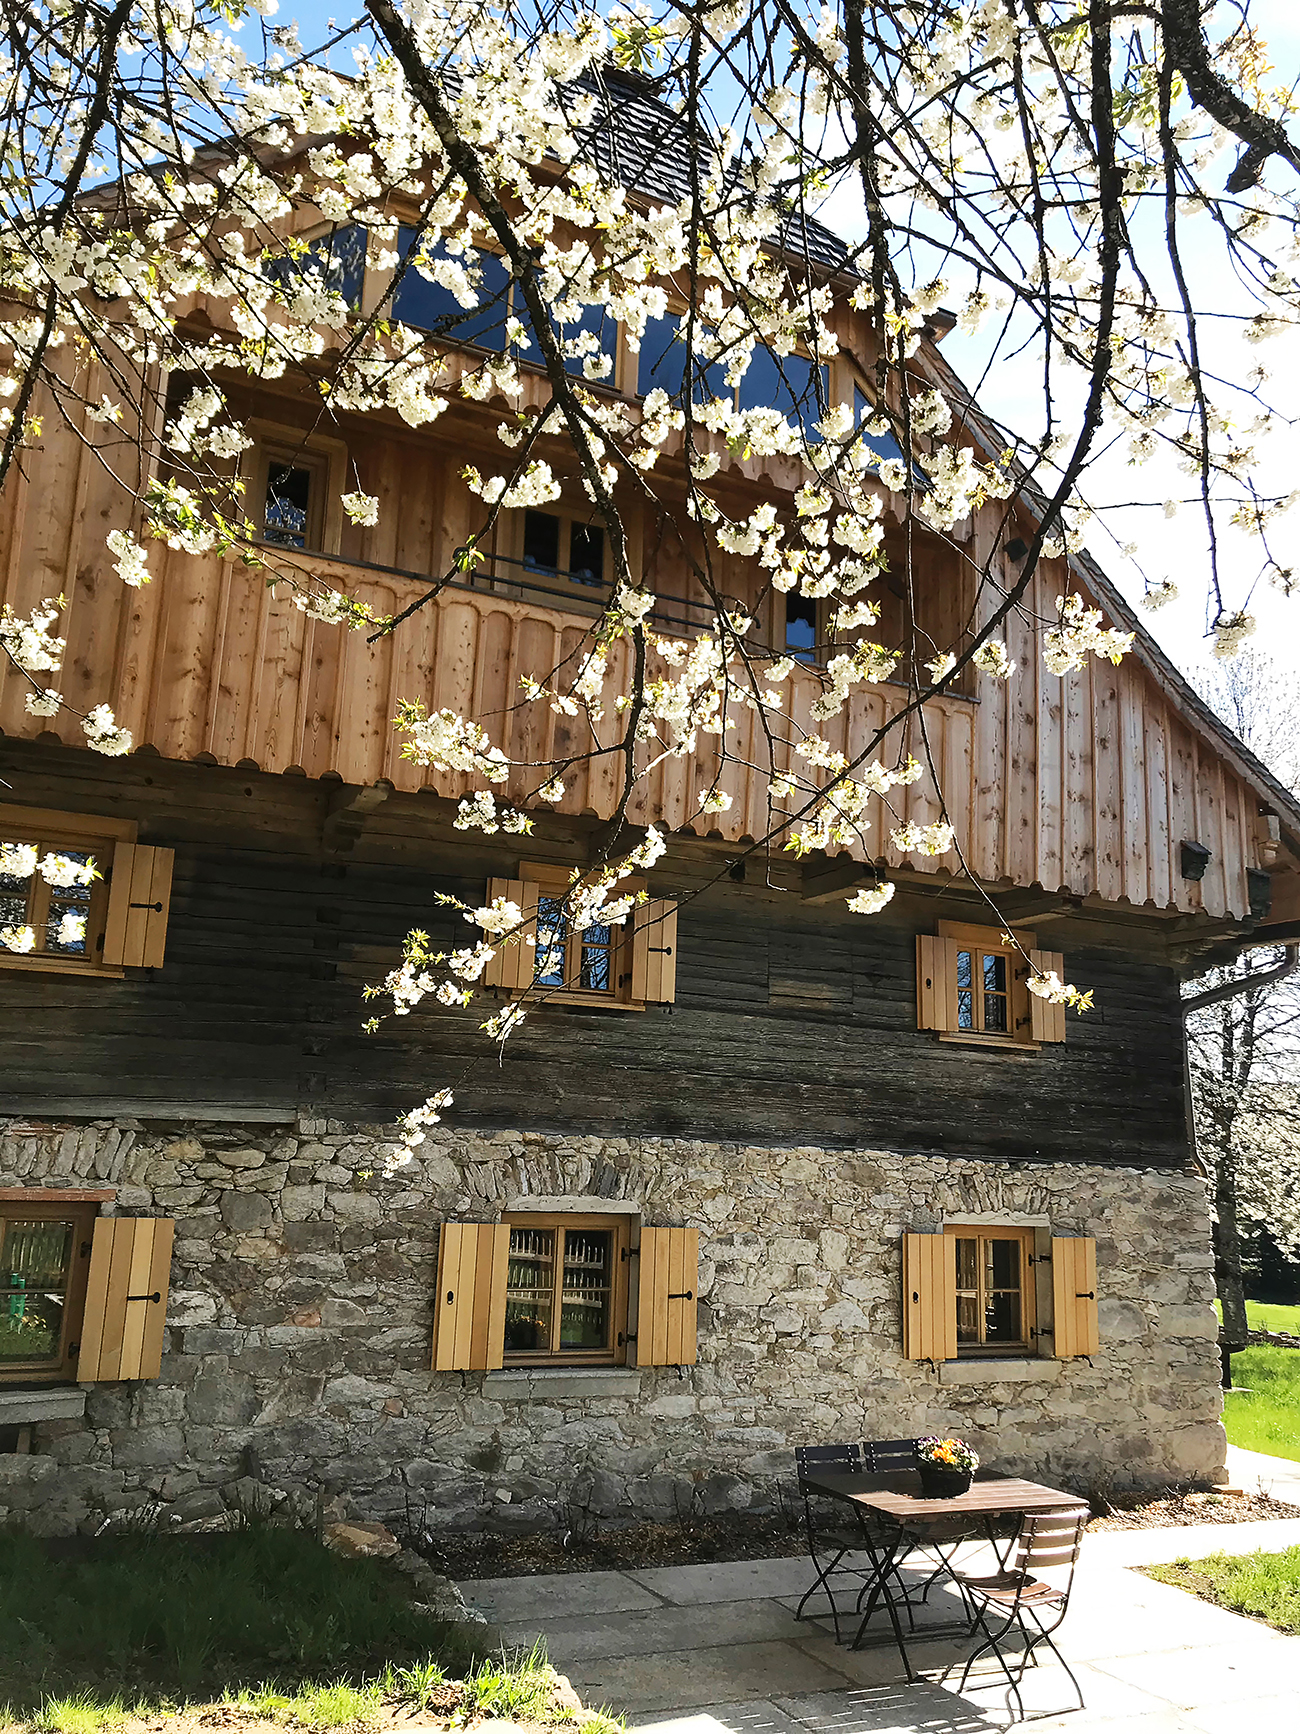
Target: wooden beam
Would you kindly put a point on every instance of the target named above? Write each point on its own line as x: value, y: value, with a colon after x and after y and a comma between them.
x: 346, y: 815
x: 836, y: 880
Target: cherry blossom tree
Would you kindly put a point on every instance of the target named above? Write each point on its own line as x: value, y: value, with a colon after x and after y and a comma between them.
x: 1045, y: 168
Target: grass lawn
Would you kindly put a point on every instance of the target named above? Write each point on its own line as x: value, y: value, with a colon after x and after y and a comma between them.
x: 1265, y: 1415
x: 1262, y: 1317
x: 1265, y: 1585
x: 264, y: 1622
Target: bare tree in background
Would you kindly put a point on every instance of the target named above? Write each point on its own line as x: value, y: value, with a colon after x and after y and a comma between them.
x: 1244, y: 1051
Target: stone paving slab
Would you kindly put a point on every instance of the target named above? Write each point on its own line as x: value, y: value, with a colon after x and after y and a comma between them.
x: 669, y: 1680
x: 740, y: 1580
x: 647, y: 1630
x: 715, y: 1649
x: 1256, y: 1472
x: 507, y: 1601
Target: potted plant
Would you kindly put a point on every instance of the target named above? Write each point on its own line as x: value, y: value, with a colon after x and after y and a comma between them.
x: 946, y: 1467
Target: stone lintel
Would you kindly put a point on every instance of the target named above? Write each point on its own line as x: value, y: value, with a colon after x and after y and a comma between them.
x: 524, y: 1384
x: 996, y: 1371
x: 57, y: 1403
x: 571, y: 1203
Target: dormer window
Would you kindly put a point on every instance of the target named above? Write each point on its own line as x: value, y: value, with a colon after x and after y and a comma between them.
x: 793, y: 384
x: 335, y: 258
x: 425, y: 304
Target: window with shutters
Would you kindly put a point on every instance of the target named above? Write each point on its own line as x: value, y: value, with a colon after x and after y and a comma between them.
x: 44, y: 1262
x: 79, y: 895
x: 566, y: 1290
x: 977, y: 1291
x: 972, y: 986
x: 623, y: 965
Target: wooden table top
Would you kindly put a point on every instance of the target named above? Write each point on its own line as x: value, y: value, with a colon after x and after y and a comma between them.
x: 897, y: 1495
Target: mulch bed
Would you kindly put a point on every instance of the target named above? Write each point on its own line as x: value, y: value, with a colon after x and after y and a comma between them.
x: 465, y: 1555
x: 1182, y: 1510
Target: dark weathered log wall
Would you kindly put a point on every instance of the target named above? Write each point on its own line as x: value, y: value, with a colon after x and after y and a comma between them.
x: 793, y: 1023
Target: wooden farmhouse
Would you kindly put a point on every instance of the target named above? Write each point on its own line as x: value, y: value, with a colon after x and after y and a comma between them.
x: 758, y: 1172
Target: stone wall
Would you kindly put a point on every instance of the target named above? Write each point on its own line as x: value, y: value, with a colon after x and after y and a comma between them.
x: 299, y: 1326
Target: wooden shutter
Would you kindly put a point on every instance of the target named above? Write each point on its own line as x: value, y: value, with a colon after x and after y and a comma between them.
x: 139, y: 899
x: 1074, y: 1297
x: 667, y: 1302
x: 469, y: 1313
x: 1046, y: 1020
x: 929, y: 1297
x: 514, y: 965
x: 126, y: 1298
x: 654, y: 951
x: 936, y: 982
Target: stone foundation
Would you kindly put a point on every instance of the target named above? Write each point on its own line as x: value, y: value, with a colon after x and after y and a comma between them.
x: 300, y: 1315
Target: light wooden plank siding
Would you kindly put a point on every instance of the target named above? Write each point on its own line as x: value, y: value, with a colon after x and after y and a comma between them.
x: 1087, y: 783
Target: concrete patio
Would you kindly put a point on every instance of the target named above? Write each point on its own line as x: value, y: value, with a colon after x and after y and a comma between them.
x: 715, y: 1649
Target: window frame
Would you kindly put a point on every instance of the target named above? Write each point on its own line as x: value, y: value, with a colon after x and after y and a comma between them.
x: 541, y: 580
x: 275, y: 442
x: 987, y: 942
x: 614, y: 1354
x: 1026, y: 1344
x: 554, y: 881
x: 53, y: 1206
x: 96, y: 836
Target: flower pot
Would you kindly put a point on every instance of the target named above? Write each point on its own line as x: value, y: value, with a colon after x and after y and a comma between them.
x: 940, y: 1483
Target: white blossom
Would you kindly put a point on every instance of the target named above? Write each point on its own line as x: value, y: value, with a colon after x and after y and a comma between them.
x: 103, y: 734
x: 871, y: 899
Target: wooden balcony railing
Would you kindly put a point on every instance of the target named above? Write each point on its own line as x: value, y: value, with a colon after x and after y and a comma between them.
x: 1087, y: 783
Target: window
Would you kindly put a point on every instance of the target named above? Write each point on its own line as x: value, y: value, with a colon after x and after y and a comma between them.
x: 972, y: 986
x: 337, y: 257
x: 626, y: 965
x: 593, y: 961
x: 883, y: 446
x: 427, y: 305
x: 78, y: 895
x: 566, y: 1290
x: 789, y: 383
x: 44, y: 1261
x: 978, y: 1291
x: 52, y: 895
x: 801, y: 627
x: 995, y: 1290
x: 983, y: 990
x: 557, y: 546
x: 295, y: 482
x: 292, y: 498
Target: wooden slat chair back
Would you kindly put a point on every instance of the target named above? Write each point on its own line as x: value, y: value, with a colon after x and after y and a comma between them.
x: 1048, y: 1541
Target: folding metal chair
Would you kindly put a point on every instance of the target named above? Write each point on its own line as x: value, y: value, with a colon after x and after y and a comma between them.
x: 890, y: 1456
x: 831, y: 1533
x: 1020, y: 1599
